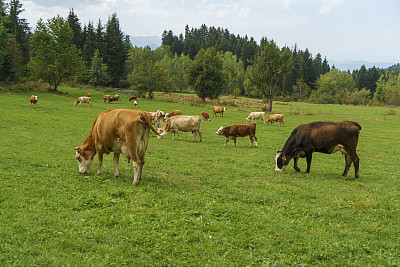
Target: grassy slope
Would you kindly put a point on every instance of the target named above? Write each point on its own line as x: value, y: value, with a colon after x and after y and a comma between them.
x: 197, y: 203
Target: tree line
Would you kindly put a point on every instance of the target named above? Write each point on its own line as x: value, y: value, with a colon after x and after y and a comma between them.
x: 209, y: 61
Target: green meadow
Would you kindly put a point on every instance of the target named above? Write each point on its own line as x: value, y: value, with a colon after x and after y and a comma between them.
x: 198, y: 204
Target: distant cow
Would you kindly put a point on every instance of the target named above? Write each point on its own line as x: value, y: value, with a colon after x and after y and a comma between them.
x: 83, y: 99
x: 135, y: 103
x: 173, y: 113
x: 219, y: 110
x: 113, y: 98
x: 182, y: 123
x: 239, y: 130
x: 322, y: 136
x: 33, y: 99
x: 275, y: 117
x: 119, y: 131
x: 88, y: 95
x: 132, y: 98
x: 256, y: 115
x: 205, y: 116
x: 106, y: 97
x: 156, y: 118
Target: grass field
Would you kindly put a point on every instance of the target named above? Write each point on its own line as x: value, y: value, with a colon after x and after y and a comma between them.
x: 198, y: 204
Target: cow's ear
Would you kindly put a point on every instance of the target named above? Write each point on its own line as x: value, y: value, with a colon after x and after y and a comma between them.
x: 78, y: 148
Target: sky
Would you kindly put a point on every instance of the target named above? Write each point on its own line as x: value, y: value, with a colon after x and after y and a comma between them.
x: 339, y: 30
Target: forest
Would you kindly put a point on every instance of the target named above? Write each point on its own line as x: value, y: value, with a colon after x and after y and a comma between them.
x: 209, y: 61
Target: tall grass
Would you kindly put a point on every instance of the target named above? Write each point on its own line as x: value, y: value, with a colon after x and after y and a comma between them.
x: 198, y: 203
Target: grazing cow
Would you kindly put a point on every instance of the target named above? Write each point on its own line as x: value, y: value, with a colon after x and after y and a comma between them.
x: 83, y: 99
x: 33, y: 100
x: 173, y: 113
x: 113, y: 98
x: 119, y: 131
x: 106, y: 97
x: 219, y: 110
x: 321, y: 136
x: 182, y: 123
x: 205, y: 116
x: 275, y: 117
x: 256, y: 115
x: 135, y: 103
x: 88, y: 95
x: 239, y: 130
x: 132, y: 98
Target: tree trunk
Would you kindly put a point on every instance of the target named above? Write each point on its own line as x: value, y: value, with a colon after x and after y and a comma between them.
x: 270, y: 103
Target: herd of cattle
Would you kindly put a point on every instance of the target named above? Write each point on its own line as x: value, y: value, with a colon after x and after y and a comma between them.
x: 127, y: 132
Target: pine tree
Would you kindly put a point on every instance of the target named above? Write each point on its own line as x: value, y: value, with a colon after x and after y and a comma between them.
x: 98, y: 74
x: 115, y: 51
x: 76, y: 29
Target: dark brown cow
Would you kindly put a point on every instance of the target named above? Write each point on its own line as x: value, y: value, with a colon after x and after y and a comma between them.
x: 219, y: 110
x: 241, y: 130
x: 132, y: 98
x: 321, y: 136
x: 113, y: 98
x: 205, y: 116
x: 119, y: 131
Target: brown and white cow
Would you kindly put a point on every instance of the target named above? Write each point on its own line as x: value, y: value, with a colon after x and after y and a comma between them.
x: 256, y: 115
x: 88, y: 95
x: 132, y: 98
x: 275, y: 117
x: 119, y: 131
x: 321, y: 136
x: 219, y: 110
x: 83, y: 99
x: 135, y: 103
x: 106, y: 97
x: 156, y: 118
x: 182, y: 123
x: 33, y: 99
x: 239, y: 130
x: 173, y: 113
x: 205, y: 116
x: 113, y: 98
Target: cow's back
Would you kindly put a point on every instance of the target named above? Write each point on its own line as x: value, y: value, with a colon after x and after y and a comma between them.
x: 185, y: 123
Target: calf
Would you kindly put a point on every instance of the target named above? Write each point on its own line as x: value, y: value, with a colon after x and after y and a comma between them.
x: 219, y: 110
x: 182, y: 123
x: 88, y: 95
x: 239, y: 130
x: 135, y: 103
x: 119, y: 131
x: 113, y: 98
x: 256, y: 115
x: 321, y: 136
x: 83, y: 99
x: 33, y: 99
x: 132, y: 98
x: 275, y: 117
x: 173, y: 113
x: 205, y: 116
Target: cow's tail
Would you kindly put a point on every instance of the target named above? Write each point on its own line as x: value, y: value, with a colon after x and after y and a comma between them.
x: 356, y: 124
x: 146, y: 119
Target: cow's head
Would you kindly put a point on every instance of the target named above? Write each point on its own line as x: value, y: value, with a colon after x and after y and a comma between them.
x: 165, y: 128
x: 84, y: 160
x: 219, y: 131
x: 281, y: 161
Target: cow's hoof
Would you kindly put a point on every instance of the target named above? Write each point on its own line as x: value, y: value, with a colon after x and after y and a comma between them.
x: 135, y: 182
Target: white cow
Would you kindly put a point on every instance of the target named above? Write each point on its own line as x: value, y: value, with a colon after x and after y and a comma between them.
x: 256, y: 115
x: 182, y: 123
x: 83, y: 99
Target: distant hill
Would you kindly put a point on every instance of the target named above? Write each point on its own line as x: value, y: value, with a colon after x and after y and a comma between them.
x: 142, y: 41
x: 354, y: 64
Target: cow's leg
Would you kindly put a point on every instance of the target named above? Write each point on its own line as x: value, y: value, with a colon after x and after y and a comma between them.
x: 356, y: 162
x: 100, y: 159
x: 173, y: 135
x: 295, y: 159
x: 116, y: 161
x: 227, y: 139
x: 194, y: 135
x: 234, y: 139
x: 179, y: 134
x: 308, y: 160
x: 251, y: 141
x: 255, y: 138
x: 201, y: 138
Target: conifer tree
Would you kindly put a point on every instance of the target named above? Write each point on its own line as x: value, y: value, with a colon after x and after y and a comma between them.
x: 76, y: 29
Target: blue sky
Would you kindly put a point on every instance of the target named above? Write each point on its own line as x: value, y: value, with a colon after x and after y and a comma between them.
x: 338, y: 29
